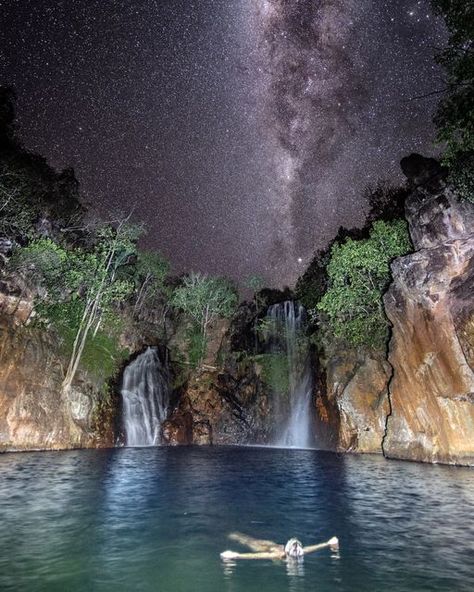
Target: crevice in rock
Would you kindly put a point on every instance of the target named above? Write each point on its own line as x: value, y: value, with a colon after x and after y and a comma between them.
x: 389, y: 383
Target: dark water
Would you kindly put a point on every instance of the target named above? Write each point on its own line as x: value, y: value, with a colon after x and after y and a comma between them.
x: 156, y: 519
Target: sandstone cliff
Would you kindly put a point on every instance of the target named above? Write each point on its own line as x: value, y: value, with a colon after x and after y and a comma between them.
x: 226, y: 401
x: 34, y: 414
x: 415, y: 401
x: 352, y: 401
x: 431, y: 306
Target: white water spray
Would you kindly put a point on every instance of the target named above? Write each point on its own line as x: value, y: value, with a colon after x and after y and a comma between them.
x: 293, y: 409
x: 145, y: 396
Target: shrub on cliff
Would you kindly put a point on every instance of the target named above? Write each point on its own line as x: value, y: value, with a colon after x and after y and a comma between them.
x: 204, y: 298
x: 79, y: 290
x: 385, y: 201
x: 358, y: 275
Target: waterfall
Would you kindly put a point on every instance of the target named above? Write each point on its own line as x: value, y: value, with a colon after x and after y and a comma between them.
x: 145, y: 396
x: 289, y: 350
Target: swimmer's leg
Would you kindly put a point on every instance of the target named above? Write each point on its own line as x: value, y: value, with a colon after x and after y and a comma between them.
x: 257, y: 545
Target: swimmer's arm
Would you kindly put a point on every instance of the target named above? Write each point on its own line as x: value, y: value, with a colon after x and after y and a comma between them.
x: 333, y: 543
x: 266, y: 555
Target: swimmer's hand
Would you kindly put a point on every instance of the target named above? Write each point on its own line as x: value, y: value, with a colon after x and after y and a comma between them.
x: 229, y: 555
x: 334, y: 543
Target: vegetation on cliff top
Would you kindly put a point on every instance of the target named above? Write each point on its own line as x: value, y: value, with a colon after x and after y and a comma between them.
x: 89, y: 278
x: 358, y: 275
x: 204, y: 299
x: 343, y: 287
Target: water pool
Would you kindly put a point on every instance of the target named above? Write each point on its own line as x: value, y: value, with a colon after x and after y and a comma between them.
x: 156, y: 519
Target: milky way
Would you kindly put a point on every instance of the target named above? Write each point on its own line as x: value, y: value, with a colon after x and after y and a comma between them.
x: 243, y: 132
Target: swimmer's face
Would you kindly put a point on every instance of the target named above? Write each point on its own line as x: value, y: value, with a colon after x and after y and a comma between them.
x: 294, y: 548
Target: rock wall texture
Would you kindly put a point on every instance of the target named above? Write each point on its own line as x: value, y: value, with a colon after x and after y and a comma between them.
x: 34, y: 414
x: 352, y: 403
x: 431, y: 307
x: 229, y: 405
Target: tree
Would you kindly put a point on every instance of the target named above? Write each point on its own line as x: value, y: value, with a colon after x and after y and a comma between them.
x: 43, y: 267
x: 89, y: 279
x: 151, y: 271
x: 204, y: 298
x: 358, y: 275
x: 102, y: 285
x: 386, y: 202
x: 17, y: 213
x: 455, y: 115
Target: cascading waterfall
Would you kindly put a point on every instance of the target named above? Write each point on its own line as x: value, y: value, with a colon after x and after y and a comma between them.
x: 145, y: 396
x: 285, y: 338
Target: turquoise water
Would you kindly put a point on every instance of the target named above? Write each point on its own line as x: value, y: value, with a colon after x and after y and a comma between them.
x: 156, y: 519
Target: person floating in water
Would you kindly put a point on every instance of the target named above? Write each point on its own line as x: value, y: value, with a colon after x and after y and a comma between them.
x: 263, y: 549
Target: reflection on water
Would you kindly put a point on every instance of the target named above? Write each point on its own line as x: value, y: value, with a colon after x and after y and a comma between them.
x: 156, y: 519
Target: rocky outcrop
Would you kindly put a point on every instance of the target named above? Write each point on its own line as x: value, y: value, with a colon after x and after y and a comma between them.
x: 226, y: 406
x: 431, y: 307
x: 352, y: 403
x: 34, y: 414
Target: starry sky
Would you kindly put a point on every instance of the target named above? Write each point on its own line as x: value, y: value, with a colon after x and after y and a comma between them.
x: 242, y: 132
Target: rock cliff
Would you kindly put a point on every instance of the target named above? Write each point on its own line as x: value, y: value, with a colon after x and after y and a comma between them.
x: 415, y: 401
x: 226, y: 401
x: 431, y: 307
x: 34, y: 414
x: 352, y: 401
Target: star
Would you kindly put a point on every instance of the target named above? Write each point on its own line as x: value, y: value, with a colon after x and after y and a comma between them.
x: 245, y: 131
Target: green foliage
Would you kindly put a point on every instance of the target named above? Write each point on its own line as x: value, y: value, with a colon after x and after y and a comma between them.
x: 154, y: 265
x: 275, y: 371
x: 311, y: 286
x: 255, y: 283
x: 150, y: 273
x: 79, y: 292
x: 359, y: 273
x: 196, y: 346
x: 204, y: 299
x: 41, y: 264
x: 101, y: 355
x: 455, y: 115
x: 386, y: 202
x: 17, y: 213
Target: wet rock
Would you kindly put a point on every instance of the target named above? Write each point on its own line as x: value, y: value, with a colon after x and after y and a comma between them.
x: 242, y: 336
x: 202, y: 433
x: 80, y: 405
x: 218, y: 408
x: 178, y: 430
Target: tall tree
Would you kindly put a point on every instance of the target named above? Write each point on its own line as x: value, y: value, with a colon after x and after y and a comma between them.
x: 102, y: 285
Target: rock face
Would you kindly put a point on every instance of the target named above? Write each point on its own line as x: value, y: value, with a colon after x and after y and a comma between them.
x: 226, y: 406
x: 33, y: 412
x: 431, y: 306
x: 352, y: 404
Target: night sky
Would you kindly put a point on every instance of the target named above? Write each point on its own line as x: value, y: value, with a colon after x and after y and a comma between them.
x: 243, y: 131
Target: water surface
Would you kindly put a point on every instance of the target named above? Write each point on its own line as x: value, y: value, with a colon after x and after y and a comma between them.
x: 156, y: 519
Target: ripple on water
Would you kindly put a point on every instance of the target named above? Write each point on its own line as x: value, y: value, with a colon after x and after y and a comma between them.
x: 157, y: 518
